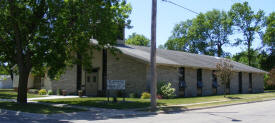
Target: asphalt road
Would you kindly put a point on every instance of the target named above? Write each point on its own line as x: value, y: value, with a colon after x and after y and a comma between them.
x: 261, y: 112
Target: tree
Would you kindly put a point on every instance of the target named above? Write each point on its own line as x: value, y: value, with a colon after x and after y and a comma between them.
x: 185, y: 39
x: 255, y: 61
x: 137, y: 39
x: 41, y: 33
x: 216, y: 29
x: 248, y: 23
x: 271, y: 78
x: 224, y: 72
x: 161, y: 46
x: 269, y: 36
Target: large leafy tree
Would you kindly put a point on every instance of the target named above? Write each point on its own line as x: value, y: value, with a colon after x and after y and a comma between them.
x: 205, y: 34
x: 216, y: 29
x: 137, y: 39
x: 269, y: 36
x: 257, y: 57
x: 37, y: 34
x: 184, y: 38
x: 248, y: 23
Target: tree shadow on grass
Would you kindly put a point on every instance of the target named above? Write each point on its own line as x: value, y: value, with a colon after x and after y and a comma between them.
x: 8, y: 95
x: 233, y: 98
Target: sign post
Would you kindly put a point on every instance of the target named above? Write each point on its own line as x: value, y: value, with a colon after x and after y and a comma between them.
x: 115, y: 85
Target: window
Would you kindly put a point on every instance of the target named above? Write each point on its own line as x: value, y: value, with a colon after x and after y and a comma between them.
x: 88, y: 79
x: 240, y: 82
x: 214, y: 79
x: 199, y: 78
x: 182, y: 77
x: 250, y: 80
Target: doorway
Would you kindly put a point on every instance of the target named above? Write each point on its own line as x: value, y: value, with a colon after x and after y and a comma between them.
x: 91, y: 80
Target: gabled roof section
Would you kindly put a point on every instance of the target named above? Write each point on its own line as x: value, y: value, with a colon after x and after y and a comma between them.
x: 179, y: 58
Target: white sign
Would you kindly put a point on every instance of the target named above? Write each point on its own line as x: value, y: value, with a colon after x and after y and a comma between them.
x: 116, y: 85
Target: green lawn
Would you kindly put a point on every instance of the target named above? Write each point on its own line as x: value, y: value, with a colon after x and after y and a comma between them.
x: 101, y: 102
x: 143, y: 103
x: 11, y: 94
x: 37, y: 108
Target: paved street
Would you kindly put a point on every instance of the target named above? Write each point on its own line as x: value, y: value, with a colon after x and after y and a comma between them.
x: 262, y: 112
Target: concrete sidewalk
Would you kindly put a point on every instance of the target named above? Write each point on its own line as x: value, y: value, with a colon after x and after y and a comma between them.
x: 52, y: 97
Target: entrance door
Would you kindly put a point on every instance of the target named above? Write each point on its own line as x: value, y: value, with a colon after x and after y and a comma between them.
x: 91, y: 83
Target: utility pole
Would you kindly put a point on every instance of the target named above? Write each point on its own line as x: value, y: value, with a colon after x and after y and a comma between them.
x: 153, y: 56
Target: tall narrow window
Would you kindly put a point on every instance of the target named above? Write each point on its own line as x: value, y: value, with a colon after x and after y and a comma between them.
x: 240, y: 82
x: 214, y: 79
x: 182, y: 82
x: 182, y: 77
x: 250, y: 80
x: 199, y: 78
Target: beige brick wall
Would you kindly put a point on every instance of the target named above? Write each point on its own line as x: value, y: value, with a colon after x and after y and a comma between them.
x: 129, y: 69
x: 234, y: 83
x: 168, y: 74
x: 245, y: 86
x: 207, y: 82
x: 67, y: 81
x: 257, y: 83
x: 191, y: 82
x: 220, y: 89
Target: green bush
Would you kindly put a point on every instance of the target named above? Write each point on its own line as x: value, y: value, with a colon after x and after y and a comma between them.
x: 145, y: 95
x: 42, y: 92
x: 50, y: 92
x: 58, y: 91
x: 133, y: 95
x: 166, y: 91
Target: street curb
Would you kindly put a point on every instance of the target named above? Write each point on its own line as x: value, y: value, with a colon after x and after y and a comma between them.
x: 210, y: 107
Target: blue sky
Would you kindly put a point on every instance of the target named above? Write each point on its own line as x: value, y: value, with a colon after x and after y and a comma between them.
x: 168, y: 15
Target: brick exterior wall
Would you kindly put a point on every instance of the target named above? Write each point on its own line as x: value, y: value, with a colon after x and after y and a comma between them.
x: 220, y: 89
x: 129, y: 69
x: 234, y: 83
x: 67, y: 81
x: 245, y: 83
x: 257, y: 83
x: 191, y: 82
x: 207, y: 82
x: 168, y: 74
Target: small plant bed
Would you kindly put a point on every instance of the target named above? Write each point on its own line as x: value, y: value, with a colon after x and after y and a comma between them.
x: 11, y: 94
x: 37, y: 108
x: 133, y: 103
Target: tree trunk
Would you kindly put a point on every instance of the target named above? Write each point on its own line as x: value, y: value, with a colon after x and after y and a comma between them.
x: 11, y: 74
x: 23, y: 85
x: 219, y: 50
x: 224, y: 92
x: 104, y: 72
x: 249, y: 53
x: 153, y: 56
x: 79, y: 72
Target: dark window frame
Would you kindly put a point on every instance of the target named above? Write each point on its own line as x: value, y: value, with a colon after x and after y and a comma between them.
x: 182, y: 78
x: 240, y: 82
x: 250, y: 80
x: 199, y: 78
x: 214, y: 79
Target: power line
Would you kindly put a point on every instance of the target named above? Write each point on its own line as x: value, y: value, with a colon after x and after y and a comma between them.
x: 180, y: 6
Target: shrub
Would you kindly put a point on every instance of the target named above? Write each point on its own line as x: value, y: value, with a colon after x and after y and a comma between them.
x: 133, y: 95
x: 166, y: 91
x: 145, y: 95
x: 42, y: 92
x: 50, y: 92
x: 58, y: 91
